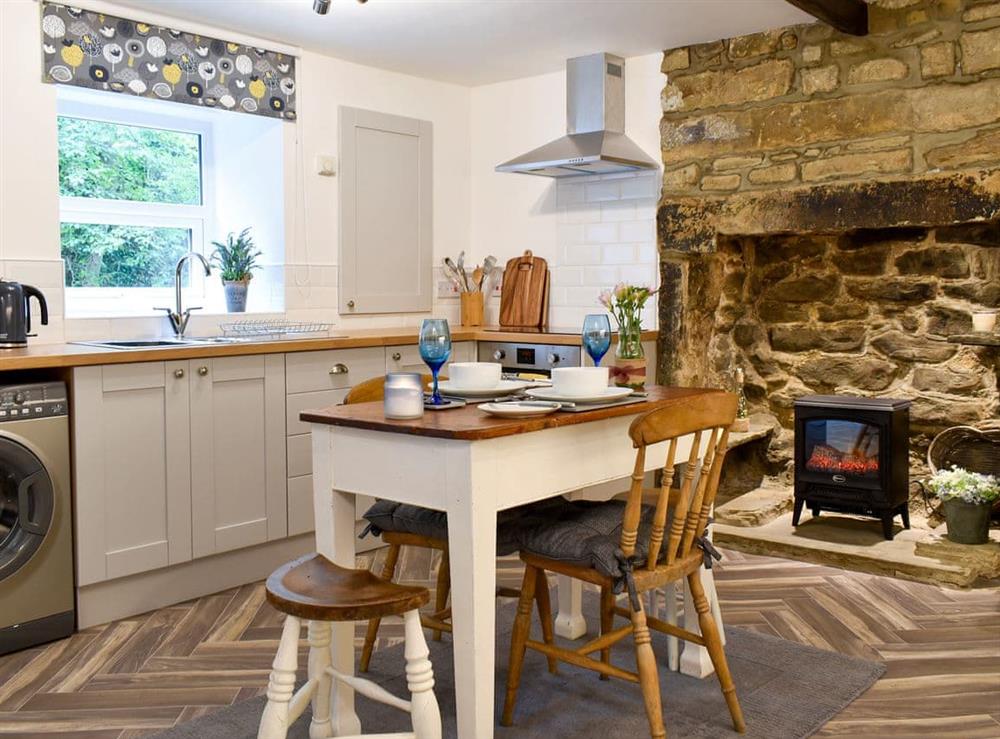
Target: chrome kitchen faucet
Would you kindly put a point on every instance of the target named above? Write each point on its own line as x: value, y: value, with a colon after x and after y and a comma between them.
x: 179, y: 317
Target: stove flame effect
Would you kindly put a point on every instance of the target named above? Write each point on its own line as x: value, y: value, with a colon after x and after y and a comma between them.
x: 828, y: 459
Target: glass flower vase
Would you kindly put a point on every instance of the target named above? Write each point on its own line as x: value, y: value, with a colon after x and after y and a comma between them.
x: 629, y: 368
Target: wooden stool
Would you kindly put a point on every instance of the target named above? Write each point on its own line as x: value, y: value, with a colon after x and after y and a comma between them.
x: 317, y: 591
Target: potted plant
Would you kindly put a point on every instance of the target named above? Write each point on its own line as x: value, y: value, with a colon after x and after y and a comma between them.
x: 625, y: 302
x: 968, y: 498
x: 237, y: 260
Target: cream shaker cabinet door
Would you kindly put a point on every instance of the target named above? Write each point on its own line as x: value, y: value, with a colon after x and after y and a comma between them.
x: 237, y: 452
x: 132, y: 486
x: 386, y: 210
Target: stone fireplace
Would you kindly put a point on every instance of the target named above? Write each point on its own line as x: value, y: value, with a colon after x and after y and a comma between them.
x: 831, y: 214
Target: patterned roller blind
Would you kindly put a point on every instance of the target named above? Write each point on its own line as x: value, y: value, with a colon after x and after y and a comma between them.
x: 104, y: 52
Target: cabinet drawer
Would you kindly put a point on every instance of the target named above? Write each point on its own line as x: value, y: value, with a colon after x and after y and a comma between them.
x: 311, y: 371
x: 406, y: 357
x: 295, y: 404
x: 300, y: 455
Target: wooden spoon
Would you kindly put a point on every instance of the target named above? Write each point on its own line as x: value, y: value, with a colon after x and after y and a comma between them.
x: 477, y: 278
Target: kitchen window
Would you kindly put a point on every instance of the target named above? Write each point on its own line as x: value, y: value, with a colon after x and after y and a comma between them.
x: 143, y: 182
x: 135, y: 196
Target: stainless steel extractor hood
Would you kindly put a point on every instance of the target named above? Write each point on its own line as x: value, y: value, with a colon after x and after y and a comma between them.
x: 595, y: 140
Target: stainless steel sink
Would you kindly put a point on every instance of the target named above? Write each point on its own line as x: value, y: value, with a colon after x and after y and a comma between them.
x: 156, y: 343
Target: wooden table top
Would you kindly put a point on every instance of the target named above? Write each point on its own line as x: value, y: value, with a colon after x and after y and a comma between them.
x: 471, y: 424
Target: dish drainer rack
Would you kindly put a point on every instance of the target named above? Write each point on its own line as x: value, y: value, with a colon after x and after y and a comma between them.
x: 274, y: 328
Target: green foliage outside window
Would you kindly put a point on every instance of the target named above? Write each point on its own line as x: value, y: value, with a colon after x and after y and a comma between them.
x: 101, y: 255
x: 110, y: 161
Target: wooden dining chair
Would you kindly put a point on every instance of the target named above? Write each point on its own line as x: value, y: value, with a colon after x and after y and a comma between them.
x: 316, y: 591
x: 413, y: 526
x: 630, y: 546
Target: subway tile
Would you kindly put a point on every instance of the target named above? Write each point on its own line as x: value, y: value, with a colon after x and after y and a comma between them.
x: 601, y: 233
x: 641, y: 186
x: 582, y: 254
x: 640, y: 231
x: 582, y: 296
x: 618, y: 210
x: 567, y: 276
x: 570, y: 233
x: 600, y: 276
x: 604, y: 190
x: 618, y: 254
x: 639, y: 274
x: 580, y: 213
x: 568, y: 193
x: 647, y: 254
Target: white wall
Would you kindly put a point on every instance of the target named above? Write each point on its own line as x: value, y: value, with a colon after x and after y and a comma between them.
x: 29, y: 191
x: 594, y: 231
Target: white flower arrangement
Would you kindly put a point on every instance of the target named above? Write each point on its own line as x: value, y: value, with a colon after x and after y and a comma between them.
x: 970, y: 487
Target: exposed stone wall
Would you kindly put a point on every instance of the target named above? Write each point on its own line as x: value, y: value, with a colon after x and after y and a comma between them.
x: 831, y: 211
x: 864, y: 313
x: 806, y: 104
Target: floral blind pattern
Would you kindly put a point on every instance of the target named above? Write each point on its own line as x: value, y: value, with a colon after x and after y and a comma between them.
x: 104, y: 52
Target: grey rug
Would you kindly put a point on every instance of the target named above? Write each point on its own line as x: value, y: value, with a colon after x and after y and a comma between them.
x: 787, y: 691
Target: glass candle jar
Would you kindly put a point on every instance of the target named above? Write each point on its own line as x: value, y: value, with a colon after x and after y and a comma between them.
x: 404, y: 395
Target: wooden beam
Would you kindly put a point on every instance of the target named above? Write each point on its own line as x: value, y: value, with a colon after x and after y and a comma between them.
x: 848, y: 16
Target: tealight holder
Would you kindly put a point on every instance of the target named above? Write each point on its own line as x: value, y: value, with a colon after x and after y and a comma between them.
x: 404, y: 395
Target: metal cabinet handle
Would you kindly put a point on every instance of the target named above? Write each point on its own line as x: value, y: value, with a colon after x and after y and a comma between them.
x: 339, y: 369
x: 178, y: 373
x: 397, y: 356
x: 350, y: 303
x: 203, y: 371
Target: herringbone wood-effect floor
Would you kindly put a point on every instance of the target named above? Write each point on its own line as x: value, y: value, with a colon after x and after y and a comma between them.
x: 134, y: 677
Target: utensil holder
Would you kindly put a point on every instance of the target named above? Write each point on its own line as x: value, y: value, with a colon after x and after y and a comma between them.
x: 472, y: 308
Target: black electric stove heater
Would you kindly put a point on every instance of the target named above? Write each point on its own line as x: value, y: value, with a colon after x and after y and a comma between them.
x: 852, y: 456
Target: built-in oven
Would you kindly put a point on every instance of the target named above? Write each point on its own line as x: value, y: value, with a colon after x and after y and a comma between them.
x: 534, y: 358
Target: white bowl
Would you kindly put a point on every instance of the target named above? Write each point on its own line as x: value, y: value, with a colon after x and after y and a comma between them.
x: 474, y: 375
x: 574, y: 381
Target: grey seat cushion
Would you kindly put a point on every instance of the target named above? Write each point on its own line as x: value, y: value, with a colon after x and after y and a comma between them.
x: 387, y: 515
x: 587, y: 534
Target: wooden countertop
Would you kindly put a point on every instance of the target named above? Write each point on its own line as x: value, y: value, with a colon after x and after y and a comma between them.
x: 471, y: 424
x: 36, y: 356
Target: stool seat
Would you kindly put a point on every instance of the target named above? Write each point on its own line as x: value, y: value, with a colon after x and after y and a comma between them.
x: 314, y: 588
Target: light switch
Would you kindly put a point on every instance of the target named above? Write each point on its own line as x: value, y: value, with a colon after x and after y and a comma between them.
x: 326, y: 165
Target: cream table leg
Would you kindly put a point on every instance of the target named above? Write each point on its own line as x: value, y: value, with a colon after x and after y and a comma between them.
x: 570, y: 623
x: 694, y: 659
x: 335, y: 513
x: 472, y: 526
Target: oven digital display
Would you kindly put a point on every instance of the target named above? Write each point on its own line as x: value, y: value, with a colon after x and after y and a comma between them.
x: 525, y: 355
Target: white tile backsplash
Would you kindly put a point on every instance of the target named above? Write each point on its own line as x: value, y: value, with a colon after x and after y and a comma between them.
x: 606, y: 234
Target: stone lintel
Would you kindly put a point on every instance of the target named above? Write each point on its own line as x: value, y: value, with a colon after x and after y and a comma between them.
x: 692, y: 225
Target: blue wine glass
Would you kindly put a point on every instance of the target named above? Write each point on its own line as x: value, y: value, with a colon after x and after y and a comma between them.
x: 597, y: 336
x: 435, y: 348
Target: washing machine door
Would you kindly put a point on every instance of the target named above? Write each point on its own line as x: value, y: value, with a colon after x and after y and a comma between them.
x: 26, y: 500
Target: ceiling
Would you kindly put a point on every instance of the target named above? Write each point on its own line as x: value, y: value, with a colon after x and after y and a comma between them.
x: 475, y: 42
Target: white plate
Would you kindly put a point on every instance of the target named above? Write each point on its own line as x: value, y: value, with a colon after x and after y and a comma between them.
x: 506, y: 387
x: 606, y: 395
x: 517, y: 410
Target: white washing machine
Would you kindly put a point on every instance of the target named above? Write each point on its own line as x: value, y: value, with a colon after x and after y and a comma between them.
x: 36, y: 522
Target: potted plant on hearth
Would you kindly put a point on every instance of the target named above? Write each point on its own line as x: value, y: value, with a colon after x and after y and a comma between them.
x: 625, y: 302
x: 968, y: 498
x: 237, y: 260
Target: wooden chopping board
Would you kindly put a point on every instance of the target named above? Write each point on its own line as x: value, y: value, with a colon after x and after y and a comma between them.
x: 524, y: 297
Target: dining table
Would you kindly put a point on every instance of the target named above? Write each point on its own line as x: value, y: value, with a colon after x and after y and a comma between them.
x: 471, y: 465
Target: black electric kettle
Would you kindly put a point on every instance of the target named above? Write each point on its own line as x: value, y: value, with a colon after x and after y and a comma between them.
x: 15, y: 313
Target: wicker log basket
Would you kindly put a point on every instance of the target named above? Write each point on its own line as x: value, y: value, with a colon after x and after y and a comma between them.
x: 974, y: 448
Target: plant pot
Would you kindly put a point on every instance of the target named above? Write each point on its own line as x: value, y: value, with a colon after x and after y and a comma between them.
x: 236, y: 295
x: 629, y: 367
x: 968, y: 523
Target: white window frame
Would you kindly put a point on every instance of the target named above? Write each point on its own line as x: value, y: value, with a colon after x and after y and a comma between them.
x: 83, y: 302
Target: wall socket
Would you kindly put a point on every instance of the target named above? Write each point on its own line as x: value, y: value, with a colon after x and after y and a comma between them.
x: 447, y: 289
